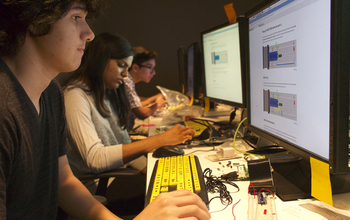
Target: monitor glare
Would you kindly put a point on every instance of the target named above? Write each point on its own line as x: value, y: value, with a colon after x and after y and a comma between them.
x: 224, y: 62
x: 194, y: 70
x: 182, y: 65
x: 299, y: 78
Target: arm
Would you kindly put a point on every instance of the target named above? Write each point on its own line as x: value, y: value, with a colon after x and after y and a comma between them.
x: 156, y: 98
x: 83, y: 137
x: 101, y: 158
x: 149, y: 106
x: 144, y: 112
x: 173, y: 136
x: 75, y: 199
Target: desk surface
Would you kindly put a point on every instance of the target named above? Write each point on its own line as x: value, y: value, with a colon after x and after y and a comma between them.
x: 300, y: 209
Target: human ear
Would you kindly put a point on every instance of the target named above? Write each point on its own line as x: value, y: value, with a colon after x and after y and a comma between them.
x: 135, y: 67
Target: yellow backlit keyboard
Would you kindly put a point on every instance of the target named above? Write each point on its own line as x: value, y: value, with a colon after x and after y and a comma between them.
x: 175, y: 173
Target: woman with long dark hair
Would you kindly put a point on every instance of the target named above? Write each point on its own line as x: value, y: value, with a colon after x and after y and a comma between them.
x: 97, y: 112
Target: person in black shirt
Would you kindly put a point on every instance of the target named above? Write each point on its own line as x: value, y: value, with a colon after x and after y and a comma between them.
x: 38, y: 40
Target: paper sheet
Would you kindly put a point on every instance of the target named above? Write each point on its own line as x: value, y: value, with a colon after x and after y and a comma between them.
x: 321, y: 187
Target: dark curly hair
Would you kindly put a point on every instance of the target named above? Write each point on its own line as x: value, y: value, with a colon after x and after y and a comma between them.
x: 35, y: 18
x: 143, y: 54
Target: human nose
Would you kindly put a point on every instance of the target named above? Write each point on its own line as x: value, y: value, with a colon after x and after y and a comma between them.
x: 87, y: 34
x: 124, y: 73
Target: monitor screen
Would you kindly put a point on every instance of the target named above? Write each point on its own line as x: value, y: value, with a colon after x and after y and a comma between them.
x: 297, y: 60
x: 194, y: 70
x: 224, y: 64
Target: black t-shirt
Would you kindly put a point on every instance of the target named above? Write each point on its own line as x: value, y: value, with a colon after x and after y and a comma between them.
x: 30, y: 145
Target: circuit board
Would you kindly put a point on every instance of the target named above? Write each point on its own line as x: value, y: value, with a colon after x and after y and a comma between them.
x: 261, y: 207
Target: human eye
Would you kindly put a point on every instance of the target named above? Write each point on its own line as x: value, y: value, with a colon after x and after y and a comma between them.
x: 78, y: 14
x: 76, y: 17
x: 121, y: 65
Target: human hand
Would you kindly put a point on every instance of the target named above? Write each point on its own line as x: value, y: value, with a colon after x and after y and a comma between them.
x: 160, y: 101
x: 177, y: 135
x: 175, y: 205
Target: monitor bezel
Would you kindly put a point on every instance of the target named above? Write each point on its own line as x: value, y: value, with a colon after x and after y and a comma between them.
x: 197, y: 70
x: 182, y: 66
x: 243, y: 33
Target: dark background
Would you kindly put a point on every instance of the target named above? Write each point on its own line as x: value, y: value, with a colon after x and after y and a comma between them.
x: 164, y: 25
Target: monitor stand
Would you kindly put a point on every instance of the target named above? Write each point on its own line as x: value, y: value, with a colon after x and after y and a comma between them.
x: 293, y: 180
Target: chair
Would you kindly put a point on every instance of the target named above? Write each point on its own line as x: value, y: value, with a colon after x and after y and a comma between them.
x: 104, y: 177
x: 102, y: 187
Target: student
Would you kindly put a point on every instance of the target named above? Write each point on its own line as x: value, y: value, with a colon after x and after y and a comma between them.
x: 97, y: 111
x: 142, y: 69
x: 39, y: 39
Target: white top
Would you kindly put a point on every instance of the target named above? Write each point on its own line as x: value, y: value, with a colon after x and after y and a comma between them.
x: 96, y: 141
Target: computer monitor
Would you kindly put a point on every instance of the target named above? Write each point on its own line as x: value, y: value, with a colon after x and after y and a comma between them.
x: 224, y: 49
x: 182, y: 65
x: 194, y: 71
x: 299, y: 81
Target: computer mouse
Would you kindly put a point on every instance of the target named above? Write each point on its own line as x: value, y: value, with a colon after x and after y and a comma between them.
x: 168, y: 151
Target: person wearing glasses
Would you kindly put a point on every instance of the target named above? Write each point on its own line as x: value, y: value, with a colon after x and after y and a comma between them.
x: 142, y: 69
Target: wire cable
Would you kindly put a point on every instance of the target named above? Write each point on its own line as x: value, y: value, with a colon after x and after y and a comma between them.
x: 234, y: 217
x: 201, y: 151
x: 266, y: 190
x: 217, y: 185
x: 234, y: 142
x: 253, y: 188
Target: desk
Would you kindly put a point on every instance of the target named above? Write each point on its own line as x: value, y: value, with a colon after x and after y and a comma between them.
x: 301, y: 209
x: 215, y: 205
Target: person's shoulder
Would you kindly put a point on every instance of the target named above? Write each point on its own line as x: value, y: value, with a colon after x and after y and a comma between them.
x: 10, y: 103
x: 4, y: 84
x: 76, y: 88
x: 77, y: 92
x: 54, y: 87
x: 8, y: 92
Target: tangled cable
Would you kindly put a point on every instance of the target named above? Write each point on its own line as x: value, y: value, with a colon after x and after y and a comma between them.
x: 216, y: 185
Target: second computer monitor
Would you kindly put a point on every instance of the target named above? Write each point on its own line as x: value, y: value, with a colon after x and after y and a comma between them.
x: 182, y: 65
x: 224, y: 58
x: 194, y: 71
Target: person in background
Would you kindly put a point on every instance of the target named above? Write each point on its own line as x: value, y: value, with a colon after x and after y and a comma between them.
x: 142, y: 69
x: 38, y: 40
x: 97, y: 111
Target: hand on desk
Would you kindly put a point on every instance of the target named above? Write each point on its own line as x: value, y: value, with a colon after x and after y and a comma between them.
x: 178, y: 134
x: 175, y: 205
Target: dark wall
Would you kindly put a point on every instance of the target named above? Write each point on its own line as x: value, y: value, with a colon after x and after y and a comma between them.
x: 164, y: 25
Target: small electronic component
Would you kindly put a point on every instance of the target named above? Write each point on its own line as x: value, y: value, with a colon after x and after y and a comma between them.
x: 262, y: 198
x: 261, y: 206
x: 226, y: 152
x: 230, y: 176
x: 161, y: 129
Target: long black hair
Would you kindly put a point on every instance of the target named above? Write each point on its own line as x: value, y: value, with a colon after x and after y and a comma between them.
x: 95, y: 59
